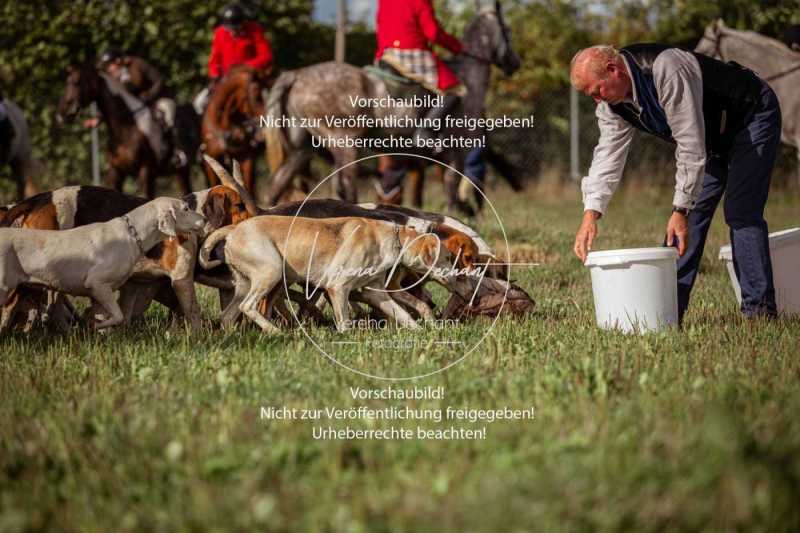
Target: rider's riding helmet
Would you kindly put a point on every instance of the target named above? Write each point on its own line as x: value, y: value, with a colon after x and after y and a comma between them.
x: 232, y: 16
x: 109, y: 55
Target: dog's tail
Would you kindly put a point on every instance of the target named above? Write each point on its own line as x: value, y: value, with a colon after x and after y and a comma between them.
x: 275, y: 137
x: 210, y: 244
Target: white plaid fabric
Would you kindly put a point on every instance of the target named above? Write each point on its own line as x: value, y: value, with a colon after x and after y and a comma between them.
x: 415, y: 64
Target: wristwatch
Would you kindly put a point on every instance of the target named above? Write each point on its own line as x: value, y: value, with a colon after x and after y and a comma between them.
x: 682, y: 210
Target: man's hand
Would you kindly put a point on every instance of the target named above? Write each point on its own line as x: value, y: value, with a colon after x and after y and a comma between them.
x: 678, y: 228
x: 586, y: 234
x: 91, y: 122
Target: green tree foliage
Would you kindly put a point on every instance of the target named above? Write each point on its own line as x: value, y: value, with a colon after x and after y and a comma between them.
x: 683, y: 21
x: 547, y: 33
x: 39, y: 39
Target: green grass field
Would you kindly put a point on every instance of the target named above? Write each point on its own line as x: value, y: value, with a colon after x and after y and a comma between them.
x: 156, y: 429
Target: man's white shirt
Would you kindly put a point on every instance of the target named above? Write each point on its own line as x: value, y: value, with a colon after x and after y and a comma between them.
x: 679, y: 86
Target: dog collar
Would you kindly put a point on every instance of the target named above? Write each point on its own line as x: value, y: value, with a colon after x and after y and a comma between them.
x: 133, y: 233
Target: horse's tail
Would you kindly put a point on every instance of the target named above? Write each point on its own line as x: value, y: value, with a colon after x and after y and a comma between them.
x: 210, y: 244
x: 276, y: 140
x: 28, y: 169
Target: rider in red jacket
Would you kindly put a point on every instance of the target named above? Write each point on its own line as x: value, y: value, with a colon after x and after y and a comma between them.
x: 406, y: 29
x: 408, y: 26
x: 238, y: 42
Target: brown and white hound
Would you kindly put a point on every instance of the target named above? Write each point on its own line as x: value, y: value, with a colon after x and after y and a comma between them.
x: 172, y: 260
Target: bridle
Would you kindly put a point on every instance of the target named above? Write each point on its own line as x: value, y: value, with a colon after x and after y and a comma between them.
x: 718, y: 53
x: 503, y: 35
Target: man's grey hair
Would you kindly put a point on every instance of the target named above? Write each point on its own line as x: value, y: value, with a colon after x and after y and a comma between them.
x: 595, y: 58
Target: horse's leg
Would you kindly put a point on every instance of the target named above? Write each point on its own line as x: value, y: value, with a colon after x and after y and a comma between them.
x: 30, y: 169
x: 451, y: 182
x: 211, y: 176
x: 18, y: 174
x: 390, y: 187
x: 146, y: 182
x: 346, y: 184
x: 285, y: 173
x: 416, y: 180
x: 114, y: 178
x: 248, y: 174
x: 798, y: 162
x: 183, y: 178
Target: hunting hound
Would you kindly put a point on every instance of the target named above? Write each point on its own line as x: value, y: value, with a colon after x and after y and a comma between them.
x: 92, y: 260
x: 339, y: 255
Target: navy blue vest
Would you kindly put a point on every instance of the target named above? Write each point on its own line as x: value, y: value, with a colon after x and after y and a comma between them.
x: 730, y: 95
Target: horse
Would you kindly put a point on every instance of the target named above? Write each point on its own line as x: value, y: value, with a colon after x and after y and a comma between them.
x: 301, y: 100
x: 772, y: 60
x: 131, y: 151
x: 19, y: 157
x: 230, y: 121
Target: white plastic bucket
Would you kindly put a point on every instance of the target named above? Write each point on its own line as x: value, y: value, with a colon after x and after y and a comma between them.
x: 784, y: 249
x: 635, y: 289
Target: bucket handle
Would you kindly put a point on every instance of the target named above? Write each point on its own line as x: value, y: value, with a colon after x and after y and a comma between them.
x: 611, y: 262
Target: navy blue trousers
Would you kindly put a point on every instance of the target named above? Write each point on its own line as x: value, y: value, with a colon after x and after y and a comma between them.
x: 743, y: 175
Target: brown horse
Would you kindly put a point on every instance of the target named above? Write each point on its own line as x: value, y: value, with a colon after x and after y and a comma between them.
x: 130, y: 151
x: 230, y: 123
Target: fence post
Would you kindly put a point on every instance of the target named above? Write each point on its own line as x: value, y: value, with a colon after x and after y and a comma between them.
x: 95, y: 149
x: 574, y: 160
x: 341, y: 29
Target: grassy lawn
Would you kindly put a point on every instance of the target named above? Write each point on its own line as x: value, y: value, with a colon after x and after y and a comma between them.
x: 156, y: 429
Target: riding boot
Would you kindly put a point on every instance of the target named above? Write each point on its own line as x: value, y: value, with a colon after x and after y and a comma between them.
x: 436, y: 115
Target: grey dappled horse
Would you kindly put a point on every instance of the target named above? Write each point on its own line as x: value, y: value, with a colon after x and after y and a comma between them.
x: 324, y: 90
x: 772, y: 60
x: 20, y: 158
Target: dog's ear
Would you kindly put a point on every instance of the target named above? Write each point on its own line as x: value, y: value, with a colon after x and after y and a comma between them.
x: 167, y: 221
x: 214, y: 210
x: 430, y: 251
x: 469, y: 252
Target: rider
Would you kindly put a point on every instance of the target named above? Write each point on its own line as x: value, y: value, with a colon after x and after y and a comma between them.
x: 143, y: 81
x: 405, y: 31
x: 237, y: 41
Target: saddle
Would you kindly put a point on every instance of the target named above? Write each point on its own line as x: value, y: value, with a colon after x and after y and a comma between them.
x: 397, y: 85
